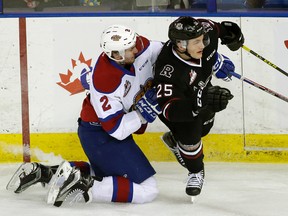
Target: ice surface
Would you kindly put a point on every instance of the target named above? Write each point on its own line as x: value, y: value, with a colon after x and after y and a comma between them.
x: 230, y: 189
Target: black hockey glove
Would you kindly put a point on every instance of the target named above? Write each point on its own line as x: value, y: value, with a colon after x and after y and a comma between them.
x: 217, y: 98
x: 234, y: 39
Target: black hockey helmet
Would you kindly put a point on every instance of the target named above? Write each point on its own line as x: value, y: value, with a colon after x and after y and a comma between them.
x: 185, y: 28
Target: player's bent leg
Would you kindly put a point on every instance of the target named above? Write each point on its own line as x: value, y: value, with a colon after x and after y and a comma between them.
x: 84, y: 188
x: 29, y: 174
x: 169, y: 140
x: 120, y: 189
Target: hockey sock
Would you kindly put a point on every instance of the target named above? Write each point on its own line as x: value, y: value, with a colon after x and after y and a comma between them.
x: 82, y: 165
x: 113, y: 189
x: 120, y: 189
x: 193, y: 158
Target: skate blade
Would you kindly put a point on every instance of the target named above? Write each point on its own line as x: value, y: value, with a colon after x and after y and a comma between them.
x: 74, y: 198
x: 57, y: 181
x: 193, y: 199
x: 79, y: 199
x: 14, y: 183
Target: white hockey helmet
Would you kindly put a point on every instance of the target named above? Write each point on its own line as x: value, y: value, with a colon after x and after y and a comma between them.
x: 117, y: 38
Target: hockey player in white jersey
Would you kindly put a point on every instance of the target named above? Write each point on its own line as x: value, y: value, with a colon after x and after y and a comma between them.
x: 121, y: 102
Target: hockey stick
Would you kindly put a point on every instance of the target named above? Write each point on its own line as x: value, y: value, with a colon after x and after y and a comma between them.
x: 264, y: 60
x: 263, y: 88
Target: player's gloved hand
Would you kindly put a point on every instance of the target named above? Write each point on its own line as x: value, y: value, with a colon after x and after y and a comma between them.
x: 234, y: 38
x: 217, y: 98
x: 148, y: 106
x: 223, y: 67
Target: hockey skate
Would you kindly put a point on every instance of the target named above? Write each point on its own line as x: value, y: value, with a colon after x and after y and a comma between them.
x: 75, y: 189
x: 171, y: 143
x: 29, y: 174
x: 195, y: 183
x: 58, y: 179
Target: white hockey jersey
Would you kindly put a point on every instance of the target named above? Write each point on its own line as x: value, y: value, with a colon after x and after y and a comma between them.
x: 115, y: 89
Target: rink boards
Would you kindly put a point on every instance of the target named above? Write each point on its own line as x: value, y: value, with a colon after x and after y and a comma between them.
x: 54, y: 147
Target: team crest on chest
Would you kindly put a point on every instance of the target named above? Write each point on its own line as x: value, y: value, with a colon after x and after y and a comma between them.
x: 193, y: 76
x: 127, y: 87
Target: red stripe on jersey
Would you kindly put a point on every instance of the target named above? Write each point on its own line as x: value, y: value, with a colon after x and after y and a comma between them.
x: 88, y: 113
x: 113, y: 123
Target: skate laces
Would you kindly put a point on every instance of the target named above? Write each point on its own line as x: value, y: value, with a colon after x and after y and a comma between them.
x: 178, y: 156
x: 195, y: 179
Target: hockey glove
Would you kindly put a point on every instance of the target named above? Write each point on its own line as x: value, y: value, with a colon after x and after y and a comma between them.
x: 234, y: 39
x: 217, y: 98
x: 148, y: 106
x: 223, y: 67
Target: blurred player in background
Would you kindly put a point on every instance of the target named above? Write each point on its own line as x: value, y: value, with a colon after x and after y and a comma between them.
x: 183, y: 74
x: 255, y: 3
x: 121, y: 102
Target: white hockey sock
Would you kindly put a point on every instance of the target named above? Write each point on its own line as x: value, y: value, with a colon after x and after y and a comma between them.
x: 120, y: 189
x: 145, y: 192
x: 102, y: 191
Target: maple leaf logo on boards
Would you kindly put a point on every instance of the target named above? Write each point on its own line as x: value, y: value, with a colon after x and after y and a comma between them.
x: 77, y: 79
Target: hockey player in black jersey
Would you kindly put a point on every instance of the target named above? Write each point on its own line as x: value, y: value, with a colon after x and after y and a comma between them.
x: 183, y: 74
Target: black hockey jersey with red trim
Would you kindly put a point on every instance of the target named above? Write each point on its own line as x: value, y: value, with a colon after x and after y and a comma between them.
x: 180, y: 83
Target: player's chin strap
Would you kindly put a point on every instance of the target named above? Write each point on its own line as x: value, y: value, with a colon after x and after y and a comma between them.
x: 185, y: 53
x: 184, y: 44
x: 190, y: 57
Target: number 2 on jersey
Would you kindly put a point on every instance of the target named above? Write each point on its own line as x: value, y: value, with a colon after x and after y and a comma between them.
x: 104, y: 100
